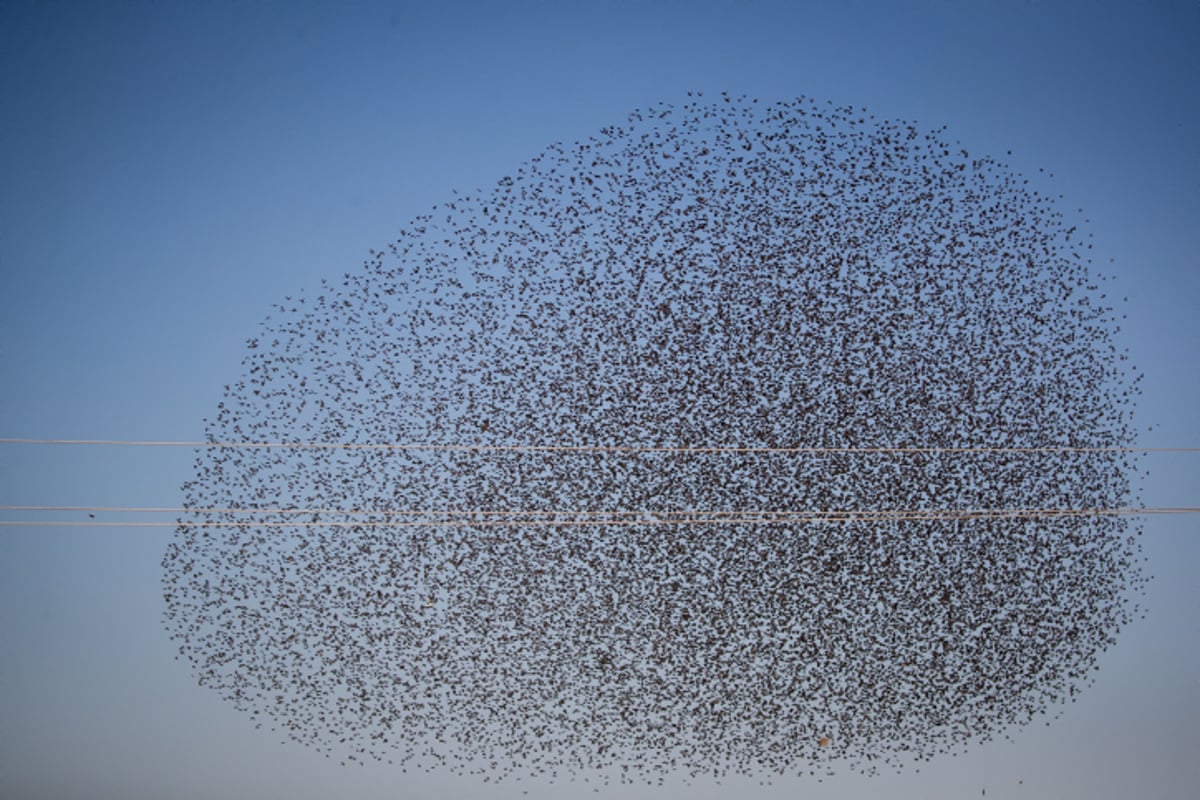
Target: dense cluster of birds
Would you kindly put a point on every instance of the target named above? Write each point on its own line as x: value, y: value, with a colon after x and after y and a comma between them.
x: 605, y: 559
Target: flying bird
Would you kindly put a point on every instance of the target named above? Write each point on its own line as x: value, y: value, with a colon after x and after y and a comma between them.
x: 775, y: 396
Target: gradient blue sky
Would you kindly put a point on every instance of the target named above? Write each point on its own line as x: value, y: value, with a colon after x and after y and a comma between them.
x: 169, y: 172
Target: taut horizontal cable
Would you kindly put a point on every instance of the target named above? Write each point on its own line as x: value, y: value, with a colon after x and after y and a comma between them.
x: 555, y: 448
x: 492, y: 518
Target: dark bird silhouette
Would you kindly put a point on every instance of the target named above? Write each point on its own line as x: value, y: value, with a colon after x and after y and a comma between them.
x: 723, y: 273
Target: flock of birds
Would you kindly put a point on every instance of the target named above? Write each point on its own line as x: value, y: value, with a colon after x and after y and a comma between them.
x: 604, y: 560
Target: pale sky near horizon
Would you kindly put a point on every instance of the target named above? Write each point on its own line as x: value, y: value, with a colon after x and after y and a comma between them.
x: 172, y: 171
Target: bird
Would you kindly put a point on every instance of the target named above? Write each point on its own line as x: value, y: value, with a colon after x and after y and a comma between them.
x: 675, y: 303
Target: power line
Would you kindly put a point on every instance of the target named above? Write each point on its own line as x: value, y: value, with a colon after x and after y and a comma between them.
x: 495, y: 518
x: 588, y: 448
x: 553, y: 512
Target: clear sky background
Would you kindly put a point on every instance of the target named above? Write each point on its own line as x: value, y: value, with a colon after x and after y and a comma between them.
x: 170, y: 171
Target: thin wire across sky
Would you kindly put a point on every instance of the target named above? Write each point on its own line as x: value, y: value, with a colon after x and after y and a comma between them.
x: 436, y: 518
x: 589, y: 448
x: 403, y: 518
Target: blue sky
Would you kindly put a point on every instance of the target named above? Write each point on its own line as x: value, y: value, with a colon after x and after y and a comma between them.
x: 171, y: 172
